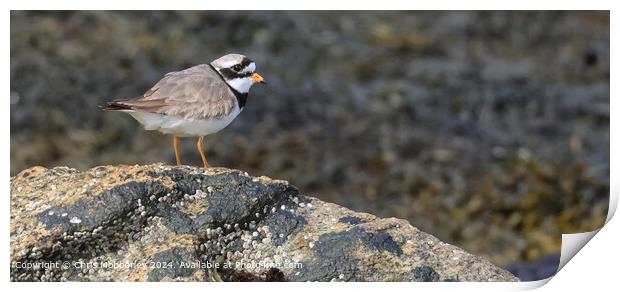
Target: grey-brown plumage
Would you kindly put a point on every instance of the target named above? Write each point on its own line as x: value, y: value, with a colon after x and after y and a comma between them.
x: 194, y: 93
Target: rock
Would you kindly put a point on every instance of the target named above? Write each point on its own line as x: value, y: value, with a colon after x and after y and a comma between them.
x: 165, y: 223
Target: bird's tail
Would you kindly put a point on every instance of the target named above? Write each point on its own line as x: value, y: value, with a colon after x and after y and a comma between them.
x: 116, y: 105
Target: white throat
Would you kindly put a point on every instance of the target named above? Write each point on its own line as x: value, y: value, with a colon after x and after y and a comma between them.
x: 241, y: 85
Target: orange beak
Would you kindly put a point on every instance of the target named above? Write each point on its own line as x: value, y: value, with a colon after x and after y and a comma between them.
x: 257, y: 78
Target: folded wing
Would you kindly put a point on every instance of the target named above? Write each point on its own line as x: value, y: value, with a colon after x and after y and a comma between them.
x: 195, y: 93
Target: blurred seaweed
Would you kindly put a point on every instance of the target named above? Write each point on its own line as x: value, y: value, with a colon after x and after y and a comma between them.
x: 489, y: 129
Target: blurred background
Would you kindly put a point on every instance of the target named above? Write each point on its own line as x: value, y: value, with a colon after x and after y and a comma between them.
x: 489, y: 130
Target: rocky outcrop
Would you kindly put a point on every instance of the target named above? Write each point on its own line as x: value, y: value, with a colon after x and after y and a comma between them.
x: 164, y: 223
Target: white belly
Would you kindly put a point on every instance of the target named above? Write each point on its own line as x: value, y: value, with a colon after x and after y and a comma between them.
x: 183, y: 127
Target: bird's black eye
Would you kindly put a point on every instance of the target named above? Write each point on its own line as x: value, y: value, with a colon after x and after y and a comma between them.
x: 237, y: 67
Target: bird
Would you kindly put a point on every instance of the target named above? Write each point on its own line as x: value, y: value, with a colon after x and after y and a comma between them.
x: 195, y: 102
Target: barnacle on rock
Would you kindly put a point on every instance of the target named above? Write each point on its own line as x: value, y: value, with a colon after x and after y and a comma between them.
x: 146, y: 227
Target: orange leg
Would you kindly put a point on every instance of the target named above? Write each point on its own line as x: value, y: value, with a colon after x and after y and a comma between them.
x: 177, y: 154
x: 200, y: 145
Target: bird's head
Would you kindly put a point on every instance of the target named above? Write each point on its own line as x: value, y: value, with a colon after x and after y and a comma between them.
x: 238, y: 71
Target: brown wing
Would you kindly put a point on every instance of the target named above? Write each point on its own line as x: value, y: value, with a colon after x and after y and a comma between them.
x: 195, y: 93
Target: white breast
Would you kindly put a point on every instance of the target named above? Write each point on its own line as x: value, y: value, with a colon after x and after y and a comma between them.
x: 183, y: 127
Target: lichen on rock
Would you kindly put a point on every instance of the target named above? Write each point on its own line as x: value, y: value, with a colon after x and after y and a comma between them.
x: 165, y: 223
